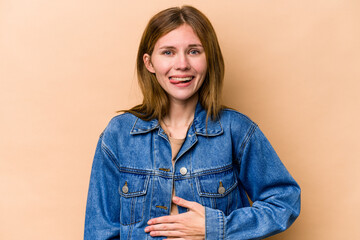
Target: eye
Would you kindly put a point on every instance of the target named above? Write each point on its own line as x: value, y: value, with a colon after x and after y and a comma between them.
x: 167, y: 52
x: 194, y: 52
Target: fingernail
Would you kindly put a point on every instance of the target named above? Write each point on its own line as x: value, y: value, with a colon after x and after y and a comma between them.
x: 146, y: 229
x: 149, y: 222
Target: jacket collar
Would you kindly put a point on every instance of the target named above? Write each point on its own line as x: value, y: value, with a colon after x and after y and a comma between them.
x: 213, y: 128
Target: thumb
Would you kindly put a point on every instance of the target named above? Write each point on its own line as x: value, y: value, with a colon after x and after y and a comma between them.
x: 183, y: 203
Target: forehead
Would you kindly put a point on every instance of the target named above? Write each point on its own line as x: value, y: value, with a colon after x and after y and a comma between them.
x: 184, y: 35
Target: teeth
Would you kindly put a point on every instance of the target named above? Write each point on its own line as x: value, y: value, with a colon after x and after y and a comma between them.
x: 181, y: 79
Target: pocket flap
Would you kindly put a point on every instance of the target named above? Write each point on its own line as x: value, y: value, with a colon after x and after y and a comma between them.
x: 217, y: 184
x: 133, y: 185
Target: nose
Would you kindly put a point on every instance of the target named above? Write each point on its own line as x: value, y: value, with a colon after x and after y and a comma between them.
x: 182, y: 62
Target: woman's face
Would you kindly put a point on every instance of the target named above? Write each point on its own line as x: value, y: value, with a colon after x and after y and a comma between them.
x: 179, y: 63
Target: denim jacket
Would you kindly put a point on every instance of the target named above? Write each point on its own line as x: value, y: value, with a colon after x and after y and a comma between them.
x: 220, y: 165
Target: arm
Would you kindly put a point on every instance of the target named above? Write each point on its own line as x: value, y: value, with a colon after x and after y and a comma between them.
x: 275, y: 195
x: 103, y: 203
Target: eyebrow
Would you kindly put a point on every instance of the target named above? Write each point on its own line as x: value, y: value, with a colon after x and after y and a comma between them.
x: 172, y: 47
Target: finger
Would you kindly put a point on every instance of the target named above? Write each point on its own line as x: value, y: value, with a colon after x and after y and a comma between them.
x: 164, y: 227
x: 164, y: 219
x: 184, y: 203
x: 167, y: 233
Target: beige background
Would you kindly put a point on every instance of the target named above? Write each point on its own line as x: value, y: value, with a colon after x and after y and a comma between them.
x: 67, y: 66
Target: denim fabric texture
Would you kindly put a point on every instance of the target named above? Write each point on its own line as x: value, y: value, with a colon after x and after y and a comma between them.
x: 132, y: 179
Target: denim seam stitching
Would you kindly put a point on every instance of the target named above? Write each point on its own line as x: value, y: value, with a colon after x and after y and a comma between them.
x: 141, y: 130
x: 214, y: 170
x: 134, y: 221
x: 109, y: 154
x: 246, y: 140
x: 177, y: 177
x: 223, y: 227
x: 214, y: 195
x: 187, y: 150
x: 135, y: 170
x: 138, y: 193
x: 238, y: 113
x: 207, y: 134
x: 152, y: 180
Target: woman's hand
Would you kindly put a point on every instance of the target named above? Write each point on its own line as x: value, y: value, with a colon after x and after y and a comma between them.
x: 189, y: 225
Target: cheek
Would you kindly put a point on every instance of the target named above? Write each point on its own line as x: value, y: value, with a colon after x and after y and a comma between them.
x: 161, y: 67
x: 201, y: 66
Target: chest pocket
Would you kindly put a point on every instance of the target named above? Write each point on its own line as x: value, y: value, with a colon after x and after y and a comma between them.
x: 133, y: 189
x: 218, y: 190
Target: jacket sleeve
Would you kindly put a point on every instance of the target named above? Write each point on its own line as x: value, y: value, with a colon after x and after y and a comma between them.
x: 275, y: 195
x: 103, y: 203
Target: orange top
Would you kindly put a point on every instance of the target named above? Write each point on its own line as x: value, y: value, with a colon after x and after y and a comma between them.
x: 175, y: 148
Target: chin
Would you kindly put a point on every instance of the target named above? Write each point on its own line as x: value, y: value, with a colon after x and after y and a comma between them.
x: 184, y: 98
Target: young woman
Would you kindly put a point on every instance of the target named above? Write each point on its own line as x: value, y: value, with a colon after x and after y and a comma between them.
x: 180, y: 165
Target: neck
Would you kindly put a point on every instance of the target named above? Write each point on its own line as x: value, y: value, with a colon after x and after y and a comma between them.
x: 181, y: 113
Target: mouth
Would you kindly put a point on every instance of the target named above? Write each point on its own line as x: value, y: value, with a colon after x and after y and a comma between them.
x: 176, y: 80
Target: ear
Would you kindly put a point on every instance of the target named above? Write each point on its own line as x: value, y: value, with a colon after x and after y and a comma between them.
x: 148, y: 64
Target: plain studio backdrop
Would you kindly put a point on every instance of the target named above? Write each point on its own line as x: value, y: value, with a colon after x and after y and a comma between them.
x: 67, y: 66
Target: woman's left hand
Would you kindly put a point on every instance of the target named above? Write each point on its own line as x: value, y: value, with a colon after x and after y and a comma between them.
x: 189, y: 225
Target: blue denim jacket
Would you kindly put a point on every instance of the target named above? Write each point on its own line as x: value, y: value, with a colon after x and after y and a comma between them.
x: 218, y: 165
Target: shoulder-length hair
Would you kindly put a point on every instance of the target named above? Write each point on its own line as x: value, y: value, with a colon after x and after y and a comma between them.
x: 156, y: 102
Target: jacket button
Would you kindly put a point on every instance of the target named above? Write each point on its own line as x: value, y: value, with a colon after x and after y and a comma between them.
x: 125, y: 188
x: 183, y: 171
x: 221, y: 190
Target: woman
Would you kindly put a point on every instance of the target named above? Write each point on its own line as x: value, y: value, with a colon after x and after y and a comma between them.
x: 179, y: 165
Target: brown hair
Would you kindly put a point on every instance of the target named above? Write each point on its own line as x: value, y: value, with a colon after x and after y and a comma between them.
x: 156, y: 103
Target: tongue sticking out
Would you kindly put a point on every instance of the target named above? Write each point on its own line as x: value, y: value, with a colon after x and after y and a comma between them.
x: 176, y: 80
